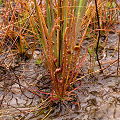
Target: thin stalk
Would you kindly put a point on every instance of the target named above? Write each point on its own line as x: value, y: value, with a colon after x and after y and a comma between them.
x: 118, y: 54
x: 64, y: 61
x: 65, y: 16
x: 98, y: 41
x: 60, y: 32
x: 71, y: 49
x: 52, y: 25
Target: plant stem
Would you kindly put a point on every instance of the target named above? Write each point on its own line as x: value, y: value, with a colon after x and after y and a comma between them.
x: 60, y: 32
x: 98, y: 37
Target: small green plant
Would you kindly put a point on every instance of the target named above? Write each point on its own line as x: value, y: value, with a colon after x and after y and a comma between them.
x: 38, y: 62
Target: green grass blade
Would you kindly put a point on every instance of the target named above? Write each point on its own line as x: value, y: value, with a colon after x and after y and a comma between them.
x: 48, y: 16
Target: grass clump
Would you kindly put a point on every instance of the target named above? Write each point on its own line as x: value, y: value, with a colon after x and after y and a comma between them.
x: 56, y: 24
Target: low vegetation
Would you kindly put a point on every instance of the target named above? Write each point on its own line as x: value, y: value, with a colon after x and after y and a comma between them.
x: 58, y: 28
